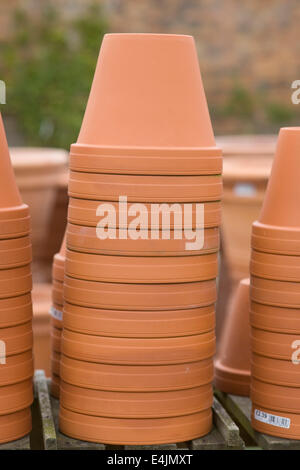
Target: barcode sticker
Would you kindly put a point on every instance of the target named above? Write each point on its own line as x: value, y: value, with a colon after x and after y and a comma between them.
x: 57, y: 314
x: 273, y: 420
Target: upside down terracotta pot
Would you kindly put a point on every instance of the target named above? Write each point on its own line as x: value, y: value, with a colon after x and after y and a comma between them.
x: 275, y: 371
x: 16, y: 397
x: 57, y: 292
x: 55, y: 363
x: 275, y: 423
x: 273, y: 266
x: 15, y: 425
x: 56, y: 313
x: 273, y: 344
x: 15, y: 252
x: 41, y: 296
x: 276, y: 293
x: 17, y: 339
x: 15, y: 310
x: 55, y: 385
x: 56, y: 339
x: 58, y: 267
x: 15, y: 282
x: 275, y: 397
x: 279, y: 319
x: 17, y: 368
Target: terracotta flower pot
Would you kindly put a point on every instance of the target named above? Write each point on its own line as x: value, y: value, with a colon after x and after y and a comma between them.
x: 17, y: 339
x: 278, y: 227
x: 16, y: 281
x: 83, y: 212
x: 57, y: 292
x: 273, y: 266
x: 232, y: 365
x: 58, y: 267
x: 136, y: 351
x: 15, y: 310
x: 275, y: 371
x: 275, y: 423
x: 135, y: 404
x: 277, y: 293
x: 41, y: 297
x: 141, y: 269
x: 16, y: 397
x: 135, y: 431
x: 115, y: 296
x: 55, y: 363
x: 55, y: 386
x: 56, y: 313
x: 85, y: 240
x: 18, y: 368
x: 15, y: 425
x: 136, y: 378
x: 275, y: 397
x: 279, y: 319
x: 15, y: 252
x: 56, y: 339
x: 145, y: 188
x: 274, y: 345
x: 139, y: 324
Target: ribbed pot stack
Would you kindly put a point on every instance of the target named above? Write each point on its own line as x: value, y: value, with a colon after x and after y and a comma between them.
x: 16, y: 363
x: 275, y: 296
x: 138, y: 322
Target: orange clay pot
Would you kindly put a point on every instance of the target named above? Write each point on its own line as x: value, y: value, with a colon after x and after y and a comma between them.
x: 17, y: 368
x: 16, y: 281
x: 55, y: 386
x: 58, y: 267
x: 275, y: 371
x: 15, y: 425
x: 232, y: 365
x: 275, y: 397
x: 282, y: 320
x: 139, y: 324
x: 85, y: 240
x: 277, y: 267
x: 278, y: 227
x: 135, y: 404
x: 274, y: 345
x: 138, y: 351
x: 17, y: 339
x: 135, y: 431
x: 16, y: 397
x: 277, y: 293
x: 136, y: 378
x: 287, y: 425
x: 142, y: 270
x: 83, y: 212
x: 146, y: 161
x: 15, y: 252
x: 55, y: 363
x: 15, y: 310
x: 57, y: 292
x: 145, y: 188
x: 114, y: 296
x: 56, y: 313
x: 56, y: 334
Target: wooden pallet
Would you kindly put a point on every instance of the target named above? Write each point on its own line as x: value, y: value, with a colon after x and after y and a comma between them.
x: 240, y: 410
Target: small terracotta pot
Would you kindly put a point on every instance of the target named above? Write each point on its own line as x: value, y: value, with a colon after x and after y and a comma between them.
x: 16, y: 397
x: 142, y: 188
x: 57, y: 292
x: 17, y: 368
x: 136, y: 378
x: 275, y: 397
x: 15, y: 282
x: 58, y: 267
x: 232, y: 365
x: 136, y: 351
x: 275, y: 371
x: 105, y: 295
x: 139, y: 324
x: 146, y: 161
x: 83, y: 212
x: 15, y: 425
x: 55, y: 363
x: 277, y: 240
x: 17, y: 339
x: 286, y: 425
x: 141, y: 269
x: 277, y: 293
x: 56, y: 313
x: 15, y: 311
x: 56, y: 339
x: 274, y: 345
x: 55, y: 386
x: 15, y: 252
x: 277, y: 267
x: 282, y: 320
x: 135, y: 431
x: 41, y: 298
x: 135, y: 404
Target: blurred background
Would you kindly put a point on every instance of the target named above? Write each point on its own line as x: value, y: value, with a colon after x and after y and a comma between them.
x: 249, y: 57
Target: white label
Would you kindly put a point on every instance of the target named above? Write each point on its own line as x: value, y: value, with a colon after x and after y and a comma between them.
x: 273, y: 420
x: 244, y: 190
x: 57, y: 314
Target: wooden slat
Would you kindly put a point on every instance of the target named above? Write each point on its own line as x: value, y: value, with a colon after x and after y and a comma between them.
x: 42, y: 395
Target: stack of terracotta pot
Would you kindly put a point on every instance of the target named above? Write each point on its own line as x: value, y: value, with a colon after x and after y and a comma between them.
x: 275, y: 296
x: 138, y: 336
x: 16, y: 365
x: 56, y: 312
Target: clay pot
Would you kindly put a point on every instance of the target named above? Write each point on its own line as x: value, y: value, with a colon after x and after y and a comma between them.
x: 274, y: 345
x: 17, y: 339
x: 232, y: 365
x: 16, y: 397
x: 279, y: 319
x: 84, y: 212
x: 55, y: 386
x: 56, y: 334
x: 57, y: 292
x: 277, y: 293
x: 56, y: 313
x: 15, y: 282
x: 135, y: 431
x: 135, y: 404
x: 136, y: 351
x: 17, y: 368
x: 139, y: 324
x: 15, y: 425
x: 41, y: 296
x: 114, y: 296
x: 15, y: 252
x: 275, y: 397
x: 136, y: 378
x: 275, y: 371
x: 55, y: 363
x: 141, y: 269
x: 286, y: 425
x: 15, y: 311
x: 277, y: 240
x: 58, y: 267
x: 145, y: 188
x: 277, y: 267
x: 146, y: 161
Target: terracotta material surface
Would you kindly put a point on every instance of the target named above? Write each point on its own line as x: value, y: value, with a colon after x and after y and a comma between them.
x: 17, y: 368
x: 273, y: 266
x: 288, y: 427
x: 275, y: 397
x: 282, y: 320
x: 55, y: 363
x: 277, y: 293
x: 55, y: 386
x: 58, y: 267
x: 15, y: 282
x: 232, y: 365
x: 15, y: 425
x: 16, y: 397
x: 56, y: 339
x: 275, y: 371
x: 41, y: 298
x: 15, y: 310
x: 274, y: 345
x: 15, y: 252
x: 278, y: 240
x: 17, y: 339
x: 56, y: 314
x: 57, y: 292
